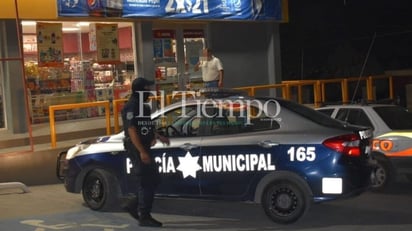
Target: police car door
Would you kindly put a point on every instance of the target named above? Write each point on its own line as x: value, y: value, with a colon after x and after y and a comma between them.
x: 233, y: 157
x: 175, y: 165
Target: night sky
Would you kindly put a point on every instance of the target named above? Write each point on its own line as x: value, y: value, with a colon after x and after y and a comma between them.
x: 331, y: 38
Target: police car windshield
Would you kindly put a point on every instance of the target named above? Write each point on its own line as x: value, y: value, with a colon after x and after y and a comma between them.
x: 397, y: 118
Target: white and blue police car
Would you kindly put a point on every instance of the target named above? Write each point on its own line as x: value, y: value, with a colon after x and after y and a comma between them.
x: 271, y: 151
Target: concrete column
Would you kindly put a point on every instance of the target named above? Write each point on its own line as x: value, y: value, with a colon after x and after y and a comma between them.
x: 143, y: 46
x: 13, y: 78
x: 180, y: 53
x: 274, y: 58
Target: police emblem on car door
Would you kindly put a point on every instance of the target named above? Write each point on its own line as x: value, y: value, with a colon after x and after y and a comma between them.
x: 177, y: 161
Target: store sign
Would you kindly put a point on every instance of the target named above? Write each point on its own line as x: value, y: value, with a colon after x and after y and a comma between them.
x: 49, y: 44
x: 177, y: 9
x: 170, y: 34
x: 194, y: 50
x: 163, y: 45
x: 107, y: 43
x: 73, y: 8
x: 193, y: 33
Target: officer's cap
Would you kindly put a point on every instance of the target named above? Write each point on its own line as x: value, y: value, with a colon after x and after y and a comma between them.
x: 140, y: 84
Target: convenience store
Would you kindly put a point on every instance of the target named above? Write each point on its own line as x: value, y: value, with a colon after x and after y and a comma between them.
x: 160, y: 44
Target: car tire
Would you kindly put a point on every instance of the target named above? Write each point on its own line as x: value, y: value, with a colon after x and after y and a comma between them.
x: 101, y: 190
x: 284, y: 201
x: 383, y: 175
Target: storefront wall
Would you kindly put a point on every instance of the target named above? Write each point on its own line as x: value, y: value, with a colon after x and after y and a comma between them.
x: 249, y: 52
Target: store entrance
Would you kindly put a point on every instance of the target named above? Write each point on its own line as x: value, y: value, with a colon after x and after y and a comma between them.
x: 176, y: 51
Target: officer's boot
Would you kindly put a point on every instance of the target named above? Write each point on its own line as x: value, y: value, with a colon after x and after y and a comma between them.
x: 133, y: 212
x: 131, y: 208
x: 147, y: 220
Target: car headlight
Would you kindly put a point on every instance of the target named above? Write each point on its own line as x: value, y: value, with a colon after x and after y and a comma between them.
x: 83, y: 145
x: 71, y: 153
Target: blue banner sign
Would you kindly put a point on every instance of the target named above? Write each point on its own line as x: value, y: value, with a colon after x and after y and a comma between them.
x: 175, y: 9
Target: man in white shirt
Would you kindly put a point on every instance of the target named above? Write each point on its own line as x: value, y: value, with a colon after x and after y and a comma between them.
x: 212, y: 69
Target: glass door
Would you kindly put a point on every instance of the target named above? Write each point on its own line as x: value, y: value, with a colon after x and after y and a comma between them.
x: 194, y: 42
x: 177, y: 49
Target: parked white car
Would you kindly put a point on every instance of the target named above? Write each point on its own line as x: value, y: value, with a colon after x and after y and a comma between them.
x: 392, y: 131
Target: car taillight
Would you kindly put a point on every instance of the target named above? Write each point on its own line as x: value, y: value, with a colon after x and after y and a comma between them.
x: 345, y: 144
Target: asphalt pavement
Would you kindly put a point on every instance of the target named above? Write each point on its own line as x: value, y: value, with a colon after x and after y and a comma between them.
x: 50, y: 207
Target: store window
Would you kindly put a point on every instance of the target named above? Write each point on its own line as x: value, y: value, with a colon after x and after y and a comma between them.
x: 194, y: 42
x: 176, y: 52
x: 96, y: 64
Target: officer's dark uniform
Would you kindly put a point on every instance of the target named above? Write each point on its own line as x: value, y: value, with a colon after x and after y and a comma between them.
x: 148, y: 174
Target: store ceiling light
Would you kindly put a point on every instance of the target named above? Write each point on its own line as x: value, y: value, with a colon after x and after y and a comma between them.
x: 70, y: 29
x: 80, y: 24
x: 28, y: 23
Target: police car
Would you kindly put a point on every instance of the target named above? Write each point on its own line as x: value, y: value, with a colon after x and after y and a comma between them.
x: 271, y: 151
x: 392, y: 131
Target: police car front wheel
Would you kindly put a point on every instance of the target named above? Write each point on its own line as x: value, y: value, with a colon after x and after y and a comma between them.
x: 285, y: 201
x: 101, y: 190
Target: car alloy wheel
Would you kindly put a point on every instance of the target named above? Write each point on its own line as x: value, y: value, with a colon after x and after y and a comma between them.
x: 284, y: 201
x: 380, y: 176
x: 383, y: 176
x: 101, y: 190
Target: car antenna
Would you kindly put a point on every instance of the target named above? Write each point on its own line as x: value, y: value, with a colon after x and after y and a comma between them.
x: 364, y: 65
x: 362, y: 70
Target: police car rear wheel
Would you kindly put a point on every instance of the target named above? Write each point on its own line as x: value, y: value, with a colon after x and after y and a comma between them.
x: 101, y: 190
x: 284, y: 201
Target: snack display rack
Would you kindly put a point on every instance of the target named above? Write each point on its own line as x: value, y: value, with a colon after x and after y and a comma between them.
x: 40, y: 106
x: 104, y: 78
x: 50, y: 86
x: 77, y: 82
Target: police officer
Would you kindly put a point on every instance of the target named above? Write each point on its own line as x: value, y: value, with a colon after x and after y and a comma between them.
x: 140, y: 135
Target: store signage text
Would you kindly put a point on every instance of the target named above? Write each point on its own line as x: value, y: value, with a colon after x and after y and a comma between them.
x: 178, y: 9
x: 189, y: 164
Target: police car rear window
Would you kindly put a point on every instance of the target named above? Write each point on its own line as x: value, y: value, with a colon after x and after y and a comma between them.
x: 310, y: 114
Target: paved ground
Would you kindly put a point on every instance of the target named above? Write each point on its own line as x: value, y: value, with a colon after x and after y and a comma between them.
x: 49, y: 207
x: 38, y: 166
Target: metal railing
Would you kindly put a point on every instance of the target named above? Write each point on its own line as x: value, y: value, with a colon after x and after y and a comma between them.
x: 319, y: 88
x: 53, y: 108
x: 286, y: 87
x: 117, y: 104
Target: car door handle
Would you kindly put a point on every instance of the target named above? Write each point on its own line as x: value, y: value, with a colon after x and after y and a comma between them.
x: 188, y: 146
x: 267, y: 144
